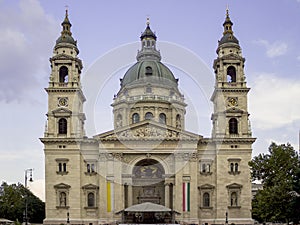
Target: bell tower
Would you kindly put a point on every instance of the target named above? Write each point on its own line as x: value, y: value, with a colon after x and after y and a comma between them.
x: 65, y: 97
x: 230, y: 116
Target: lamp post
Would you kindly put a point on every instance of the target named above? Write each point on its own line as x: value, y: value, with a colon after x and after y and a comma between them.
x: 226, y: 218
x: 68, y: 218
x: 26, y: 196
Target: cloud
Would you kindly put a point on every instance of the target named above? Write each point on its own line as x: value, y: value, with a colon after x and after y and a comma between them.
x: 274, y: 101
x: 37, y: 187
x: 26, y: 41
x: 275, y: 49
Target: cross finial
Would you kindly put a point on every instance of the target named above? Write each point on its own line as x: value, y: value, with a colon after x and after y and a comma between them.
x: 227, y: 10
x: 148, y: 20
x: 67, y: 8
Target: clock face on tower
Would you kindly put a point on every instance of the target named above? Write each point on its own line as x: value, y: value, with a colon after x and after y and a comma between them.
x: 232, y: 101
x: 63, y: 101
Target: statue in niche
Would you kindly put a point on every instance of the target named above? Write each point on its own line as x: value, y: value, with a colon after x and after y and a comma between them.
x: 63, y: 199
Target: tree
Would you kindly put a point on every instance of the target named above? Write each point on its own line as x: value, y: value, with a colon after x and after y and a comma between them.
x: 12, y: 203
x: 279, y: 173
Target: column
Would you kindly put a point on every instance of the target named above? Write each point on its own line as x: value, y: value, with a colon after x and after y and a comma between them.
x: 167, y: 195
x: 129, y: 194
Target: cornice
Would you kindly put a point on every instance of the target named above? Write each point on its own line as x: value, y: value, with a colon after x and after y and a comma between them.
x: 232, y: 89
x: 54, y: 140
x: 227, y: 140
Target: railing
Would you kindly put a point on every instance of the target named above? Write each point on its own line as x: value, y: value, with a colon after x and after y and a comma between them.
x: 149, y: 97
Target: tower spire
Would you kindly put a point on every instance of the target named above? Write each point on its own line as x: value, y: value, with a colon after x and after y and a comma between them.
x: 228, y: 36
x: 66, y: 25
x: 227, y: 24
x: 66, y: 34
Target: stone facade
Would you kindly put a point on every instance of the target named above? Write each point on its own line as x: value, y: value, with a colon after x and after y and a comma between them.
x: 149, y: 156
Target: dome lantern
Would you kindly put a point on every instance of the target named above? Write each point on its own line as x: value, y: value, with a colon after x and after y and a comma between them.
x: 148, y: 49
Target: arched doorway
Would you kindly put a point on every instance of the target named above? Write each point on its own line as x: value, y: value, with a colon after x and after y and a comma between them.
x: 148, y: 180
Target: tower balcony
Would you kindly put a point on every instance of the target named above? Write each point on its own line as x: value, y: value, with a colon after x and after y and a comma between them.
x: 63, y: 84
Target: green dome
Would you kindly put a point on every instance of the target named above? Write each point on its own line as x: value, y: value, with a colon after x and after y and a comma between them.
x: 66, y: 39
x: 149, y: 71
x: 228, y: 38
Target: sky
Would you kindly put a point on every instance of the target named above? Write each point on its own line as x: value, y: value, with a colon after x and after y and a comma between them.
x: 268, y: 32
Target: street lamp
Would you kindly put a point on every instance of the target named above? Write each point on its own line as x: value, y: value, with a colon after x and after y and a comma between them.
x: 226, y: 218
x: 26, y: 196
x: 68, y: 218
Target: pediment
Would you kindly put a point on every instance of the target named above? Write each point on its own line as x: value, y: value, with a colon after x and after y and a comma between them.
x: 234, y: 110
x: 62, y: 186
x: 62, y: 57
x: 90, y: 187
x: 234, y: 186
x: 62, y: 112
x: 207, y: 186
x: 148, y: 130
x: 233, y: 56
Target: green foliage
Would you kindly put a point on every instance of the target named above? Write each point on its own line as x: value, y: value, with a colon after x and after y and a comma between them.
x: 279, y: 173
x: 12, y: 203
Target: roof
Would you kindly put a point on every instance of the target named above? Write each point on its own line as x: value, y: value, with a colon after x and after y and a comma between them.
x: 148, y: 33
x: 149, y: 71
x: 66, y: 34
x: 147, y: 207
x: 228, y: 38
x: 5, y: 221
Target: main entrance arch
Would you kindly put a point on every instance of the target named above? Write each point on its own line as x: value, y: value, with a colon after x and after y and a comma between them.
x: 148, y: 182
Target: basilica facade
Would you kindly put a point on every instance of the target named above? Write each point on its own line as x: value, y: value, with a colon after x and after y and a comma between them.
x: 149, y: 156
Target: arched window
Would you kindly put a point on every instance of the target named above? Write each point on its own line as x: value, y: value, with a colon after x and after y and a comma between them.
x: 135, y: 118
x: 59, y: 167
x: 233, y: 126
x: 162, y: 118
x: 178, y: 121
x: 208, y: 168
x: 206, y: 200
x: 63, y: 74
x: 148, y: 71
x: 233, y: 199
x: 64, y: 167
x: 231, y: 167
x: 91, y: 200
x: 62, y: 126
x: 148, y: 116
x: 203, y: 168
x: 231, y: 74
x: 236, y: 167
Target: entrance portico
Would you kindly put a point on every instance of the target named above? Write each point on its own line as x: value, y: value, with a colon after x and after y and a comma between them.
x: 148, y: 213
